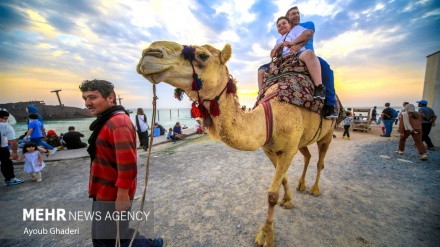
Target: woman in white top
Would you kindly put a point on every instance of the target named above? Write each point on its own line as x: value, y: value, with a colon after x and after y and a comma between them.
x: 142, y: 128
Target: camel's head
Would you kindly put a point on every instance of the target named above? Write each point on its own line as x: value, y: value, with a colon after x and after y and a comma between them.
x: 167, y: 62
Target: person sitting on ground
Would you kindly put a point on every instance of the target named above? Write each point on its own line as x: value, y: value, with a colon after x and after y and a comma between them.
x: 162, y: 129
x: 53, y: 139
x: 73, y: 139
x: 410, y: 124
x: 156, y: 130
x: 177, y: 130
x: 198, y: 127
x: 289, y: 34
x: 170, y: 135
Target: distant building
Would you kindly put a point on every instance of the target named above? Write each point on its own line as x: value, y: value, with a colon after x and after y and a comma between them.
x: 431, y: 92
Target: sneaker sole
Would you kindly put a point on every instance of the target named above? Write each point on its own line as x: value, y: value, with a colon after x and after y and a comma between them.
x: 10, y: 184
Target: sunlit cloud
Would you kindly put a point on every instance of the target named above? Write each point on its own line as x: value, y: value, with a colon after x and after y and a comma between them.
x: 368, y: 54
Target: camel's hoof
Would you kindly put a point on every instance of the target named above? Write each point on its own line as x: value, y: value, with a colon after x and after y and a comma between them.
x: 314, y: 191
x: 260, y: 239
x: 300, y: 187
x: 286, y: 204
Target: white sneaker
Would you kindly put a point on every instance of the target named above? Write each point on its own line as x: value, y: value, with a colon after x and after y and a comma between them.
x: 14, y: 181
x: 53, y: 151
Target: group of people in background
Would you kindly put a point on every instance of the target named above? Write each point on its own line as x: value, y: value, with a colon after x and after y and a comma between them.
x: 413, y: 123
x: 417, y: 124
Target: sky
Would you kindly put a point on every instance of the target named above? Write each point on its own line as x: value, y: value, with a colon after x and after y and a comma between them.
x: 377, y: 49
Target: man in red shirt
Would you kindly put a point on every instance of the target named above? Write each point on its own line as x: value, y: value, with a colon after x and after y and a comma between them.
x: 113, y: 170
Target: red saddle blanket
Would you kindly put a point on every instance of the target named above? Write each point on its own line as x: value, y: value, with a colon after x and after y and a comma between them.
x: 293, y: 84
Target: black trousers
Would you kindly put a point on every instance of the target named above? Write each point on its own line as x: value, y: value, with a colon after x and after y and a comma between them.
x: 346, y: 128
x: 143, y: 139
x: 6, y: 163
x: 426, y: 128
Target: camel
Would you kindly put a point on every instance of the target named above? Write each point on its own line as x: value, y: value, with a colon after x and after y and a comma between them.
x: 293, y: 127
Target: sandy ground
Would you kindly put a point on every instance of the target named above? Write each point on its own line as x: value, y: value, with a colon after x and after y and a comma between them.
x: 207, y: 194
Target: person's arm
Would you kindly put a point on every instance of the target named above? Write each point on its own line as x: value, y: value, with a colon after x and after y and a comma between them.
x: 274, y: 52
x: 126, y: 161
x: 40, y: 159
x: 301, y: 40
x: 14, y: 146
x: 28, y: 133
x: 122, y: 200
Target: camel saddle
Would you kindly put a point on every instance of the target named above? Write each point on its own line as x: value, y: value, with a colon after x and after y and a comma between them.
x: 294, y: 84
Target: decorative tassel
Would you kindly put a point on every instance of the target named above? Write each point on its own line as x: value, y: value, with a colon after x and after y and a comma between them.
x: 197, y: 83
x: 188, y: 52
x: 203, y: 111
x: 178, y: 93
x: 231, y: 87
x: 195, y: 112
x: 214, y: 108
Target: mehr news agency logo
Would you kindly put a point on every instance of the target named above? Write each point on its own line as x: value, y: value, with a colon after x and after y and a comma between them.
x: 60, y: 214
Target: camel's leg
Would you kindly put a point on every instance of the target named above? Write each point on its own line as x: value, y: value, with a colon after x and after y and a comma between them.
x: 323, y: 146
x: 302, y: 181
x: 286, y: 202
x: 266, y: 235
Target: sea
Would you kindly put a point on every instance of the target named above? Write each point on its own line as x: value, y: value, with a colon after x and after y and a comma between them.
x: 165, y: 117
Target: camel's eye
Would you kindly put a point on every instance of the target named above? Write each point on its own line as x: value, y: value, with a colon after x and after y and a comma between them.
x: 203, y: 57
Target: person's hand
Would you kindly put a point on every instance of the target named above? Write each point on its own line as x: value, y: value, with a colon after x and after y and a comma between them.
x: 13, y: 156
x: 294, y: 49
x: 122, y: 202
x: 40, y: 163
x: 275, y: 50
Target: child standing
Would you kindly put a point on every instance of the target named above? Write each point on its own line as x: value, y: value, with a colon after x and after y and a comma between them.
x: 348, y: 121
x: 170, y: 135
x: 33, y: 163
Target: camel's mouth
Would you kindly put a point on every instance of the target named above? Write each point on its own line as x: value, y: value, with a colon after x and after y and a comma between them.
x: 150, y: 68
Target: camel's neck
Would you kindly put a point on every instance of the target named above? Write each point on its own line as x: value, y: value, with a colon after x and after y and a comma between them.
x: 237, y: 128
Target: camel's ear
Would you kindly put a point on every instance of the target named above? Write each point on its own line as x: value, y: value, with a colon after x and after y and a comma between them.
x: 226, y: 53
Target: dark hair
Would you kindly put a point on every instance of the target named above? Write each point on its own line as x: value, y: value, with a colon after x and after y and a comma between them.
x: 140, y: 111
x: 294, y: 7
x: 387, y: 104
x: 33, y: 116
x: 71, y: 128
x: 280, y: 18
x: 104, y: 87
x: 29, y: 144
x: 4, y: 113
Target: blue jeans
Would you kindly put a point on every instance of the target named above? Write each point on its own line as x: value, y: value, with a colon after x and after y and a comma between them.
x: 329, y: 82
x: 39, y: 141
x: 388, y: 126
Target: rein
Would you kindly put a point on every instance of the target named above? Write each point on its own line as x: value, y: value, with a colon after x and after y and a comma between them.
x: 197, y: 108
x: 147, y: 169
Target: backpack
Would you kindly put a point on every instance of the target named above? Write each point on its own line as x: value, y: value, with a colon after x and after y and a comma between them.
x: 395, y: 115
